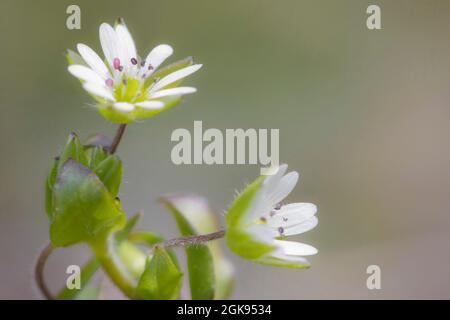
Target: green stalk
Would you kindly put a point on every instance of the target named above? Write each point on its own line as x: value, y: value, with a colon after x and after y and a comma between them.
x: 105, y: 251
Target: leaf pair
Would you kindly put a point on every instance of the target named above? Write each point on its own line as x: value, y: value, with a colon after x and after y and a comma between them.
x: 81, y: 194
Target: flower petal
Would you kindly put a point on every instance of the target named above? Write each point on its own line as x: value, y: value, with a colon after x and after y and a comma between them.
x: 150, y: 104
x: 174, y: 76
x: 172, y: 92
x: 292, y: 248
x: 292, y: 214
x: 157, y: 56
x: 93, y: 60
x: 283, y: 188
x: 302, y: 227
x: 86, y: 74
x: 109, y: 42
x: 98, y: 90
x: 126, y: 46
x: 123, y: 106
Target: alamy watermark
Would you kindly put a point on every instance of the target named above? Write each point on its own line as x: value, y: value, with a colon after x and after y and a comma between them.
x: 234, y: 146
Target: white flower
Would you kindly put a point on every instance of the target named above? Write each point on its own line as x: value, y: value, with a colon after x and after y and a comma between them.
x: 124, y: 83
x: 267, y: 222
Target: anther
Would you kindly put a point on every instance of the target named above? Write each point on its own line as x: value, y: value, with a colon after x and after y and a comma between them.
x: 116, y: 64
x: 134, y: 61
x: 124, y: 82
x: 120, y: 68
x: 142, y: 63
x: 109, y: 82
x: 263, y: 219
x: 281, y: 230
x: 150, y: 67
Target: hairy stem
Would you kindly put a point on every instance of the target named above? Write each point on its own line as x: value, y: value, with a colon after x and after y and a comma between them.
x: 117, y: 138
x: 191, y: 240
x: 39, y: 272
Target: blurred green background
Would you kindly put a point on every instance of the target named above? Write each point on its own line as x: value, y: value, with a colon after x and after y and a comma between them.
x: 363, y: 116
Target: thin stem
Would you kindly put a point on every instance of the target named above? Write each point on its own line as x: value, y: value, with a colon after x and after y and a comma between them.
x: 191, y: 240
x: 117, y: 138
x: 106, y: 252
x: 39, y: 272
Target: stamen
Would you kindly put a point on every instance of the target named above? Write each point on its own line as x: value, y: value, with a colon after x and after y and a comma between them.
x: 281, y: 230
x: 109, y: 82
x: 124, y: 81
x: 285, y: 219
x: 150, y: 67
x: 120, y: 68
x: 263, y: 219
x: 116, y: 64
x: 278, y: 206
x: 134, y: 61
x: 142, y: 63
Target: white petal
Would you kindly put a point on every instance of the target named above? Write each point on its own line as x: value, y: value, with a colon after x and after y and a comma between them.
x: 172, y: 92
x: 158, y: 55
x: 271, y: 182
x: 93, y: 60
x: 175, y: 76
x: 109, y: 42
x: 86, y: 74
x: 293, y: 248
x: 283, y: 188
x: 126, y: 46
x: 123, y: 106
x: 292, y: 214
x: 98, y: 90
x: 150, y: 104
x: 305, y: 226
x: 280, y: 255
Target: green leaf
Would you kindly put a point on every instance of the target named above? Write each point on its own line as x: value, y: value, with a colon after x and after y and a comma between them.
x: 161, y: 279
x: 83, y: 209
x: 49, y: 188
x: 87, y: 272
x: 129, y: 226
x: 90, y: 292
x: 199, y: 258
x: 109, y: 171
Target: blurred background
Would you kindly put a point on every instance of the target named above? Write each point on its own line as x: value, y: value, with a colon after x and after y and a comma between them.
x: 363, y: 116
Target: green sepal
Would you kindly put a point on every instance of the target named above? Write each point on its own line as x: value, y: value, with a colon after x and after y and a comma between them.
x: 109, y: 171
x: 74, y: 150
x: 161, y: 279
x: 96, y: 155
x: 83, y: 208
x: 242, y: 203
x: 74, y: 58
x: 244, y: 245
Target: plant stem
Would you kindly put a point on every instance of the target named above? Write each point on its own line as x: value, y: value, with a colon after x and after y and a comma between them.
x: 106, y: 252
x: 191, y: 240
x: 117, y: 138
x: 39, y: 271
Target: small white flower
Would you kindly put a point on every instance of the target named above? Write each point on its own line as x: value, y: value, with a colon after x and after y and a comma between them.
x: 267, y: 222
x: 124, y: 82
